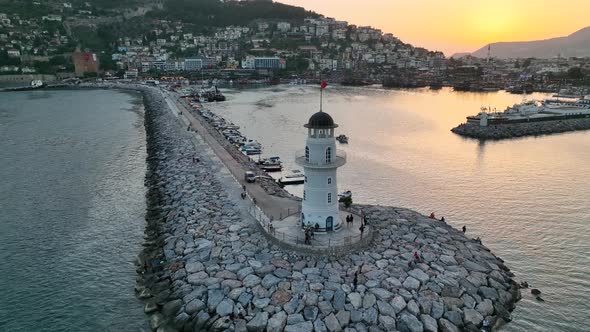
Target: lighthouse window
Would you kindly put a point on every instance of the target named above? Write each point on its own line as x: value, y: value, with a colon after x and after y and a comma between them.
x: 328, y: 155
x: 329, y: 180
x: 329, y: 198
x: 306, y: 179
x: 304, y: 195
x: 307, y: 154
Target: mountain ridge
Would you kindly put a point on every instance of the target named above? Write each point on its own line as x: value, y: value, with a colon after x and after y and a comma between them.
x: 576, y: 44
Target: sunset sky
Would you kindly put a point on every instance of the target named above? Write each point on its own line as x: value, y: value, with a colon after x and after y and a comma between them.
x: 459, y: 25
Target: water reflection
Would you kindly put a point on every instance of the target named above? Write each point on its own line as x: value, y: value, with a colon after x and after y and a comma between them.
x: 525, y: 198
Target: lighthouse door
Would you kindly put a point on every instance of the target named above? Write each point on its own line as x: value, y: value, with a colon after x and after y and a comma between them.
x: 329, y: 224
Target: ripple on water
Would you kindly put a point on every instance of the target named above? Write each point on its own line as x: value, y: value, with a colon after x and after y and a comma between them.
x: 527, y: 198
x: 73, y: 206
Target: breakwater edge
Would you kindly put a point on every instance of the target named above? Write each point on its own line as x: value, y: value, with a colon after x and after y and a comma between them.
x: 206, y: 265
x: 505, y: 131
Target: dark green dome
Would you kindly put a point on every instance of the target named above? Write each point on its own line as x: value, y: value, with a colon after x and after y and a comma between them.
x: 321, y: 120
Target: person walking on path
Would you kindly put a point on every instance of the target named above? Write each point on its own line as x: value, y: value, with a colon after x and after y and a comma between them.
x: 362, y: 229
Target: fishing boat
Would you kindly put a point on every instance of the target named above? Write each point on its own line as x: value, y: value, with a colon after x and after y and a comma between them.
x: 295, y: 177
x: 342, y: 139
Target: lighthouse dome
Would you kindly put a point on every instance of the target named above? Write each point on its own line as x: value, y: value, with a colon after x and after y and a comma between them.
x: 321, y: 120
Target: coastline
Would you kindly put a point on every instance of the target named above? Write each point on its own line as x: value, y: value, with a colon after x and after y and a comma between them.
x: 506, y: 131
x: 216, y: 264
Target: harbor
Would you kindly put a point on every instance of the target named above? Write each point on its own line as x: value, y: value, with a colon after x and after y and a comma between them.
x: 255, y: 271
x: 201, y: 232
x: 529, y: 118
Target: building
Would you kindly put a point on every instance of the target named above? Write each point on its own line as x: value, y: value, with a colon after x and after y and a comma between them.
x: 269, y: 63
x: 283, y: 26
x: 13, y: 53
x: 193, y: 64
x: 52, y: 17
x: 320, y: 161
x: 85, y: 62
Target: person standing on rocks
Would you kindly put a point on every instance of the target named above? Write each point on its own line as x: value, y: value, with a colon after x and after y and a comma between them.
x: 464, y: 229
x: 355, y: 280
x: 417, y: 257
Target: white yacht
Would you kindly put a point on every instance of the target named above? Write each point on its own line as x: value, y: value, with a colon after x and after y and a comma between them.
x: 294, y: 177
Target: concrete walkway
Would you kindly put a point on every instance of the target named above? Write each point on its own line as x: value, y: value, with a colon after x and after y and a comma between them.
x: 277, y: 207
x: 289, y: 230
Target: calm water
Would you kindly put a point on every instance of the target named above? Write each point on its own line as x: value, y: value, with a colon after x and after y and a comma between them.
x: 527, y: 198
x: 72, y: 199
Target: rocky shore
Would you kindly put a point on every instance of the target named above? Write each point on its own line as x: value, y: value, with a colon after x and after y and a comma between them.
x: 206, y: 266
x: 503, y: 131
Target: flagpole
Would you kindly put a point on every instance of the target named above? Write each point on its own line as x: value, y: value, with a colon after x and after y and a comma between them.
x: 321, y: 91
x: 321, y: 96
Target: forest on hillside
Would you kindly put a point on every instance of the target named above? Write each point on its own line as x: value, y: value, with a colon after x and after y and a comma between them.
x: 214, y: 13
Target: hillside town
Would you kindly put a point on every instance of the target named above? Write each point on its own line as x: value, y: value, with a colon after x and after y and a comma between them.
x: 73, y: 40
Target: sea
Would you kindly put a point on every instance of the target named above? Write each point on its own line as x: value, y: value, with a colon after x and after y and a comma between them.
x: 72, y: 201
x: 526, y: 198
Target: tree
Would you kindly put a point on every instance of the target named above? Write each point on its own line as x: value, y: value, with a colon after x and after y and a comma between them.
x: 347, y: 201
x: 575, y: 73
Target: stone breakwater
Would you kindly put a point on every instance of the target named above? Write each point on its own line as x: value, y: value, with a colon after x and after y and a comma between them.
x: 514, y: 130
x: 207, y: 266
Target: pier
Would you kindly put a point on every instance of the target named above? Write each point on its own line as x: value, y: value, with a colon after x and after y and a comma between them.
x: 521, y: 129
x: 208, y: 265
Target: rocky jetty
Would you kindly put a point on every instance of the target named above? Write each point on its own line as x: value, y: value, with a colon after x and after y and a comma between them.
x: 503, y: 131
x: 207, y: 266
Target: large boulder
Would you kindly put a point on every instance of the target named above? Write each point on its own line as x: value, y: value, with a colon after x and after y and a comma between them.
x: 277, y: 322
x: 472, y: 316
x: 258, y: 323
x: 410, y: 323
x: 429, y: 323
x: 446, y: 326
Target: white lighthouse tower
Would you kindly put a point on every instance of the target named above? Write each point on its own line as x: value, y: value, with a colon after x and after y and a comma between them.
x: 320, y: 161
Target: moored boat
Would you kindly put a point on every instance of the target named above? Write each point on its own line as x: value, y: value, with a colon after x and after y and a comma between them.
x: 272, y: 164
x: 345, y: 194
x: 294, y: 177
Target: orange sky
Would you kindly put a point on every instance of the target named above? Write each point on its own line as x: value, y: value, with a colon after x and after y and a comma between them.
x: 459, y: 25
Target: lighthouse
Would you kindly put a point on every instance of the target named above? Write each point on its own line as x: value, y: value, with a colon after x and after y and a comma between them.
x: 320, y: 160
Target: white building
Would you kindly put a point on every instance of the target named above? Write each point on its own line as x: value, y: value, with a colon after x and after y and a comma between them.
x: 283, y: 26
x: 320, y: 161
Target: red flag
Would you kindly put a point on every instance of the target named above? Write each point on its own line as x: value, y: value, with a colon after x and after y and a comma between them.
x: 323, y: 85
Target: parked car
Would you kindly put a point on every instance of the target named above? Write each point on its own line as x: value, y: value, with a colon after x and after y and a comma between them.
x: 250, y: 177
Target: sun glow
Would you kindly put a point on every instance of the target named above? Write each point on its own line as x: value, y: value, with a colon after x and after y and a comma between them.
x: 459, y: 25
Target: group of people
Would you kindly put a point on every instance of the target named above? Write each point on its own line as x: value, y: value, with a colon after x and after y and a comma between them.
x: 433, y: 217
x: 349, y: 219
